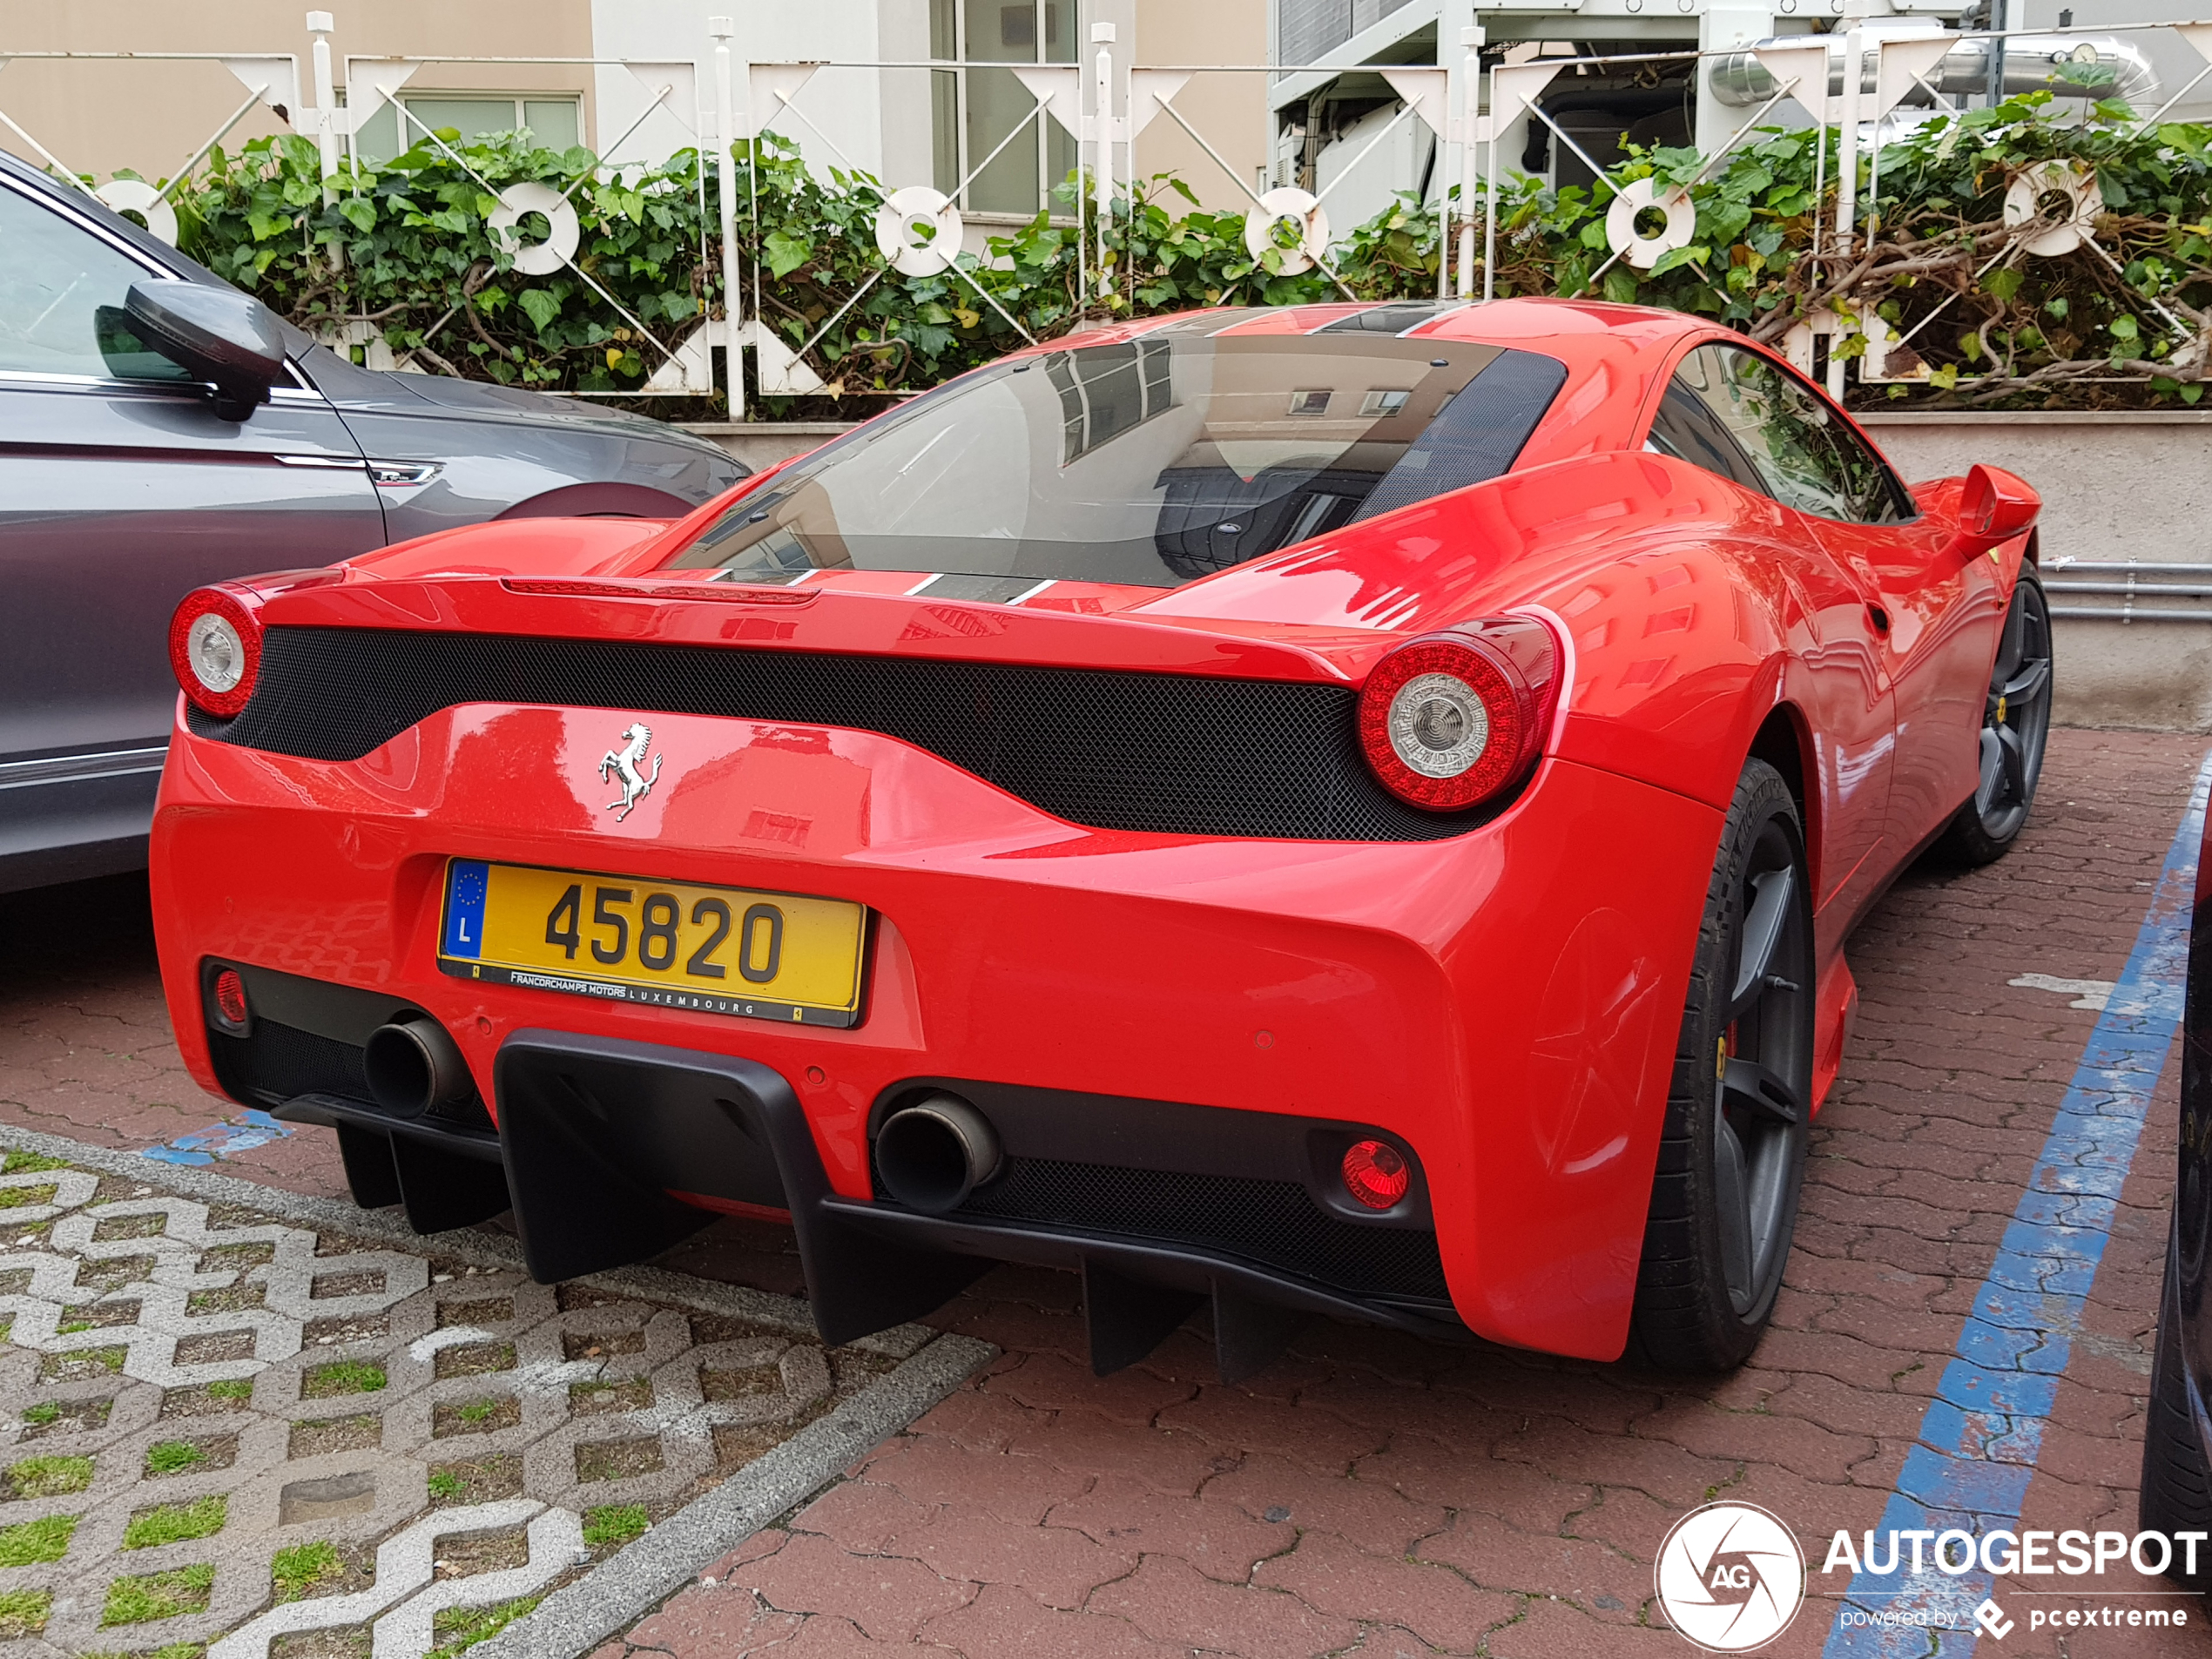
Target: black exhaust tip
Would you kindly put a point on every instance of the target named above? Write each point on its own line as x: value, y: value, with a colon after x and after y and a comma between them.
x: 414, y: 1066
x: 930, y: 1155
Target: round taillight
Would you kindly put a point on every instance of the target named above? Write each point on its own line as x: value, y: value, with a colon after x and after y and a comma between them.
x: 1376, y: 1173
x: 215, y: 650
x: 230, y: 996
x: 1449, y: 719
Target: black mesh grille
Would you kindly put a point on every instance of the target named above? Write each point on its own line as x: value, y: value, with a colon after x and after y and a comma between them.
x: 277, y: 1061
x: 1169, y: 754
x: 280, y: 1063
x: 1273, y: 1223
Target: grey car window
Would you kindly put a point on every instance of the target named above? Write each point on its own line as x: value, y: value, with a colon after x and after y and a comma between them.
x: 62, y: 290
x: 1687, y: 430
x: 1806, y: 458
x: 1151, y: 462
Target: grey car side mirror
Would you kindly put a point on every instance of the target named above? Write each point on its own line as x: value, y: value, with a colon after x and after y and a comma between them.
x: 219, y: 335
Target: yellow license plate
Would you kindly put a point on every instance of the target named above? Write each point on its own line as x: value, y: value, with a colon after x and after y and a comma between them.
x: 721, y: 950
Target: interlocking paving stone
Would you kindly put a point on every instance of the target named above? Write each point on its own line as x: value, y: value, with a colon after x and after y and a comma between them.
x: 1471, y: 1501
x: 332, y: 1417
x: 1543, y: 1485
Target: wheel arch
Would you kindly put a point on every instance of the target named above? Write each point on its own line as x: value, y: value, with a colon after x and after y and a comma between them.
x: 610, y: 498
x: 1784, y: 742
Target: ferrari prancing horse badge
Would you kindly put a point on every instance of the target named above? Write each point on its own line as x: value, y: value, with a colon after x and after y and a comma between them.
x: 626, y: 765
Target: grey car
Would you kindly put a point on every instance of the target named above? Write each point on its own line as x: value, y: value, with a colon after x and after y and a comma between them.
x: 127, y: 479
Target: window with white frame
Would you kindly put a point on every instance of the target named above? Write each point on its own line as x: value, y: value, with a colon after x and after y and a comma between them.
x: 973, y: 110
x: 555, y: 120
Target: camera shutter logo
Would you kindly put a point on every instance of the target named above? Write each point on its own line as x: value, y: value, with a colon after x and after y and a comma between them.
x: 1731, y: 1577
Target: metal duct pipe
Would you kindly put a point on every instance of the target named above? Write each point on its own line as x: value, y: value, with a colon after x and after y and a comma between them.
x: 2031, y: 62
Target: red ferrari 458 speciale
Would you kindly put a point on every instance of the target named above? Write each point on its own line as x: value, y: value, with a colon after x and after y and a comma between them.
x: 1348, y: 809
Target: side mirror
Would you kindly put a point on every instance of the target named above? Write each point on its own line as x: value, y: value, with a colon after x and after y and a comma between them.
x: 214, y: 334
x: 1993, y: 508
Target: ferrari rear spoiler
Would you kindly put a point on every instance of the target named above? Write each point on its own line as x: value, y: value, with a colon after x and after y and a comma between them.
x: 665, y: 610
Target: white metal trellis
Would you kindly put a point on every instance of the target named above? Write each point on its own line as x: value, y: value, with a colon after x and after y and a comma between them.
x: 1102, y: 105
x: 671, y: 86
x: 271, y: 80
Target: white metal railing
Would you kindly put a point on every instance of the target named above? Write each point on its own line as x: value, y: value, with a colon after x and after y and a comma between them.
x: 1104, y: 106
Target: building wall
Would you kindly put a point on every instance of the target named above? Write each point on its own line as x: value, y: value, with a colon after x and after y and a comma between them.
x: 1230, y: 110
x: 97, y: 117
x: 845, y: 118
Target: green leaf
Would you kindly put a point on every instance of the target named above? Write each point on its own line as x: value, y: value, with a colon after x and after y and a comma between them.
x: 2003, y: 283
x: 787, y: 254
x: 1621, y: 286
x: 360, y: 212
x: 1675, y: 259
x: 2193, y: 391
x: 2124, y: 328
x: 542, y: 306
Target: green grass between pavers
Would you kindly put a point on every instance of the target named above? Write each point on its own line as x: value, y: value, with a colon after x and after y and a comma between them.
x: 295, y: 1571
x: 231, y: 1388
x: 18, y: 1163
x: 109, y: 1360
x: 22, y: 1613
x: 444, y: 1483
x: 44, y: 1539
x: 172, y: 1523
x: 173, y: 1457
x: 174, y: 1651
x: 475, y: 1411
x: 50, y: 1477
x: 158, y: 1595
x: 464, y: 1627
x: 614, y: 1523
x: 42, y: 1413
x: 24, y: 1198
x: 341, y: 1377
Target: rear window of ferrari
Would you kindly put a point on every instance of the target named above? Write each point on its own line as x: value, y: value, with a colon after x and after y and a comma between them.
x: 1150, y: 461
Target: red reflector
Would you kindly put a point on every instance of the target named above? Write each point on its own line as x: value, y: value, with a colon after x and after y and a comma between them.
x: 1375, y: 1173
x: 230, y: 996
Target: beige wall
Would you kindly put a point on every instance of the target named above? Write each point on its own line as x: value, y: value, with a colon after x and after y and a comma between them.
x: 97, y: 116
x: 1230, y: 110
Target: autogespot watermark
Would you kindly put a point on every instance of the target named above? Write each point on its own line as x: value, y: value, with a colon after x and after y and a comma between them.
x: 1731, y: 1577
x: 1933, y: 1562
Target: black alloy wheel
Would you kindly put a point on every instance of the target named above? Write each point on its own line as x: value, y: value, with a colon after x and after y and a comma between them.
x: 1732, y: 1151
x: 2016, y: 721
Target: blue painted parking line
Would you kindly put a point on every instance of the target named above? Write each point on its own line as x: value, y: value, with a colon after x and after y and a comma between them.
x: 1981, y: 1434
x: 251, y: 1128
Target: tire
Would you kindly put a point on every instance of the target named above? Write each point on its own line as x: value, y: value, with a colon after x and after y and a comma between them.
x: 1732, y: 1150
x: 2016, y: 721
x: 2176, y: 1493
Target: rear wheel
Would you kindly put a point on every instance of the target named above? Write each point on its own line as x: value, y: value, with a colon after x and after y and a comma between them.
x: 2177, y: 1486
x: 2016, y: 718
x: 1724, y: 1199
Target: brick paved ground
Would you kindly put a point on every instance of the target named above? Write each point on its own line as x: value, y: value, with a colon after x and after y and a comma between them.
x: 1374, y: 1494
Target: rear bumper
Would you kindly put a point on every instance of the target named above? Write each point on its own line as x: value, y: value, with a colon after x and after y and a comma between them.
x: 1504, y: 1002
